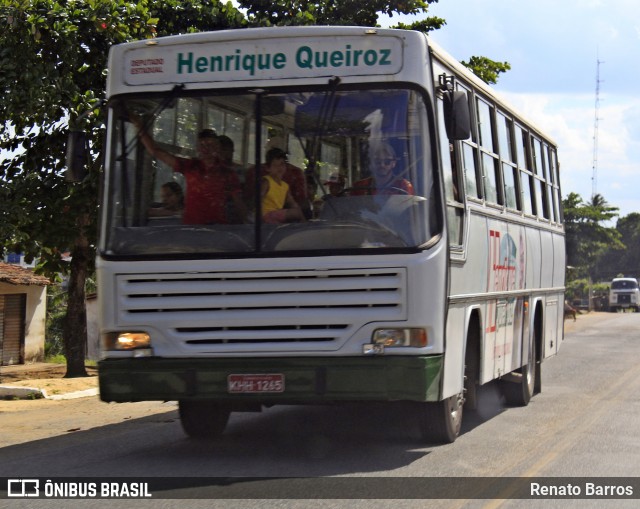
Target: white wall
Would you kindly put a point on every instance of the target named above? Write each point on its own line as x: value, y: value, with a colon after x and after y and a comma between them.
x: 35, y: 318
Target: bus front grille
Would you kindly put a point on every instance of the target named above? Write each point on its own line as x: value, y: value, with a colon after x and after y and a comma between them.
x: 220, y: 311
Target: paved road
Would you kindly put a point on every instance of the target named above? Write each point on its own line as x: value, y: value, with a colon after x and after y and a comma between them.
x: 584, y: 424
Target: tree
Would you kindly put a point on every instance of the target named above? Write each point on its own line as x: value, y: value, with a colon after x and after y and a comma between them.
x: 625, y: 260
x: 587, y: 237
x: 328, y: 12
x: 486, y: 69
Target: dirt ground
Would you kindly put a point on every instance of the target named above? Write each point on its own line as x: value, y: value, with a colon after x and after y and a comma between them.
x: 48, y: 377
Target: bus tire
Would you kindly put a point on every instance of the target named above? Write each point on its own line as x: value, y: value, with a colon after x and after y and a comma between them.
x: 441, y: 421
x: 520, y: 393
x: 471, y: 368
x: 470, y: 387
x: 203, y: 419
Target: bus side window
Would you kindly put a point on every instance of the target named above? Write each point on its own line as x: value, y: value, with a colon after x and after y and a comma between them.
x: 509, y: 169
x: 557, y: 197
x: 470, y: 165
x: 551, y: 203
x: 526, y: 178
x: 540, y: 170
x: 489, y: 159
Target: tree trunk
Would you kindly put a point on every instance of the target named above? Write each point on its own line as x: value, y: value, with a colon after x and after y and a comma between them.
x: 75, y: 326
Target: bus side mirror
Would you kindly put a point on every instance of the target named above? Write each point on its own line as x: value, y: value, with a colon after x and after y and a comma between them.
x: 457, y: 120
x: 76, y: 156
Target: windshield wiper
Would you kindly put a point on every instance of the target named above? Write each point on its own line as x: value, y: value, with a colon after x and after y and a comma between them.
x: 148, y: 120
x: 325, y: 116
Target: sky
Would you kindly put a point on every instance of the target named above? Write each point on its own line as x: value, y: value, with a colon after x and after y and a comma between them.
x: 554, y: 47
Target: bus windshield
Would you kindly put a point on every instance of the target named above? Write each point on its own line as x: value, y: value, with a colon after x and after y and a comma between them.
x: 254, y: 172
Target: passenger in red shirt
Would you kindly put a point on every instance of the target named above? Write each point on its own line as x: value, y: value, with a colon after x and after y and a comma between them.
x: 383, y: 179
x: 211, y: 187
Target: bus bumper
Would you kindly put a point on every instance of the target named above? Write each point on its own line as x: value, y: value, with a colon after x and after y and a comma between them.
x: 306, y: 380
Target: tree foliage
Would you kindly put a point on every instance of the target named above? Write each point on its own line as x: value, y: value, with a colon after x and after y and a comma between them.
x: 588, y: 237
x: 486, y: 69
x: 328, y: 12
x: 623, y: 260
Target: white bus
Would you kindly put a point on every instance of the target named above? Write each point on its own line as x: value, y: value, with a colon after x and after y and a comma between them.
x: 417, y: 288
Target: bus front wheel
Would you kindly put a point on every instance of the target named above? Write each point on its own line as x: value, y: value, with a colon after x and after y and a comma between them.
x: 203, y: 419
x: 441, y: 421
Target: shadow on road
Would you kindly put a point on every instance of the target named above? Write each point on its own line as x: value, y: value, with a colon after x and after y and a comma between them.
x: 279, y: 442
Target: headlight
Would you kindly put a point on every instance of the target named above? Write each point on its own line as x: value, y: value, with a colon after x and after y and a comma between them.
x: 126, y: 340
x: 390, y: 338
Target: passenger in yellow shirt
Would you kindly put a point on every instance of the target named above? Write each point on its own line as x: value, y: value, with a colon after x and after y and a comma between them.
x: 278, y: 206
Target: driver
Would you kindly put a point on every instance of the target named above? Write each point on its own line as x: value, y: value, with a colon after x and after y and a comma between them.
x: 383, y: 179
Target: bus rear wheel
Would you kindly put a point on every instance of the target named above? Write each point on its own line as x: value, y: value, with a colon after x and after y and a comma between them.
x: 441, y: 421
x: 520, y: 393
x: 203, y: 419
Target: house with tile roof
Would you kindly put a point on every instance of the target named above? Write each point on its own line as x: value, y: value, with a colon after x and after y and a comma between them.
x: 23, y: 309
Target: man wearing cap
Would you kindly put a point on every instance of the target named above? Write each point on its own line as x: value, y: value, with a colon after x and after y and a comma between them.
x: 209, y: 185
x: 335, y: 184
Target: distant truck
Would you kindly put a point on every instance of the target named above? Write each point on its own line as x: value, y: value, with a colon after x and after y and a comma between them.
x: 624, y: 293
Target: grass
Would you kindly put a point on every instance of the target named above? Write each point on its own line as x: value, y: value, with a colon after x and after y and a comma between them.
x: 56, y: 359
x: 61, y: 359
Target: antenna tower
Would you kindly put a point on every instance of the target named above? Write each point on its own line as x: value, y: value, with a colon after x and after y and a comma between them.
x: 594, y: 169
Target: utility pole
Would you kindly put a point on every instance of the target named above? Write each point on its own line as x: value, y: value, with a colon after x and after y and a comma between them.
x: 594, y: 168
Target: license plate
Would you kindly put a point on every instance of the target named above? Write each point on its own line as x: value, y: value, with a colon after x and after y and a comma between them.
x: 253, y: 384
